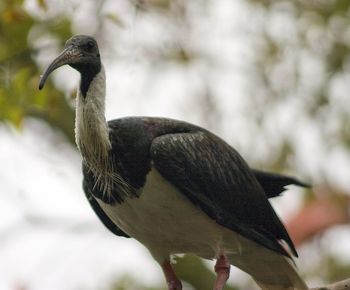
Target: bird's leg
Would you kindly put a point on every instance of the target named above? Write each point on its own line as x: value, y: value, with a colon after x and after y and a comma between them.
x: 222, y: 269
x: 173, y: 282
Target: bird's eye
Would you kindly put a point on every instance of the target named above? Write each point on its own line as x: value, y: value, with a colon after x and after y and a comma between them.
x: 89, y: 45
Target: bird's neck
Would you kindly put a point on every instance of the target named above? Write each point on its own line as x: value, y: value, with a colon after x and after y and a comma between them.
x: 91, y: 128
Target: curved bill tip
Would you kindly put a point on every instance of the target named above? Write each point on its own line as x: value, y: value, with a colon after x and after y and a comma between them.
x: 55, y: 64
x: 67, y: 56
x: 42, y: 82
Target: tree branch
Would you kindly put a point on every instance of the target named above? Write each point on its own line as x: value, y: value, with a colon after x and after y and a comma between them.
x: 341, y: 285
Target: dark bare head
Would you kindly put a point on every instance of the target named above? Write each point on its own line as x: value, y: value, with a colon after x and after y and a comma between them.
x: 80, y: 52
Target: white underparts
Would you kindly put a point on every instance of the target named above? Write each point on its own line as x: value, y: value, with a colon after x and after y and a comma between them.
x: 167, y: 223
x: 92, y: 133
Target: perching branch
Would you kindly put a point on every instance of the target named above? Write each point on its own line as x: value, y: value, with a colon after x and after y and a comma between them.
x: 324, y: 212
x: 341, y: 285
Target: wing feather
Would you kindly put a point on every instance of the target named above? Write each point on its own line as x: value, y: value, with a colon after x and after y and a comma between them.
x: 274, y: 184
x: 216, y: 178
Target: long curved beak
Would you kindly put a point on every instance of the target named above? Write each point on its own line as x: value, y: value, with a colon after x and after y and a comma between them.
x: 68, y: 56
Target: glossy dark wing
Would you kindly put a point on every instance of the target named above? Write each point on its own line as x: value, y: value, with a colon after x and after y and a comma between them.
x: 274, y: 184
x: 109, y: 224
x: 214, y: 177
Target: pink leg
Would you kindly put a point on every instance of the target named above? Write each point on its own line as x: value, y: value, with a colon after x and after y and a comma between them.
x: 173, y: 282
x: 222, y: 269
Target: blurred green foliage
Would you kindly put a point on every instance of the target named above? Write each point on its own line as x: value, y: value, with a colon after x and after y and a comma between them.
x: 19, y: 74
x: 320, y: 33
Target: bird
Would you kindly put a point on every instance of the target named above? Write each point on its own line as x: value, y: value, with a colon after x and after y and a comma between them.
x: 176, y: 187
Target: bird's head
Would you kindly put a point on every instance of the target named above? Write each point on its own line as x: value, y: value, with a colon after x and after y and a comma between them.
x: 80, y: 52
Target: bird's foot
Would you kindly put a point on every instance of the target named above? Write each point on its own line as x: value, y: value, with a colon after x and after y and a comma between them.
x: 222, y: 269
x: 173, y: 282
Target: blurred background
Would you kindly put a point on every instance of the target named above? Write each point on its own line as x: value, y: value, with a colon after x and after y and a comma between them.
x: 270, y: 77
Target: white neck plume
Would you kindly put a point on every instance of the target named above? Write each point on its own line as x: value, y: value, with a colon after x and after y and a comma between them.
x: 91, y: 129
x: 92, y: 136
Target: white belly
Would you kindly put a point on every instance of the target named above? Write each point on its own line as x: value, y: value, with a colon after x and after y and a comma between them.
x: 166, y: 222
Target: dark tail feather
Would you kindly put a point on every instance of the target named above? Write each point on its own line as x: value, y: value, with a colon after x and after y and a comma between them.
x: 274, y: 184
